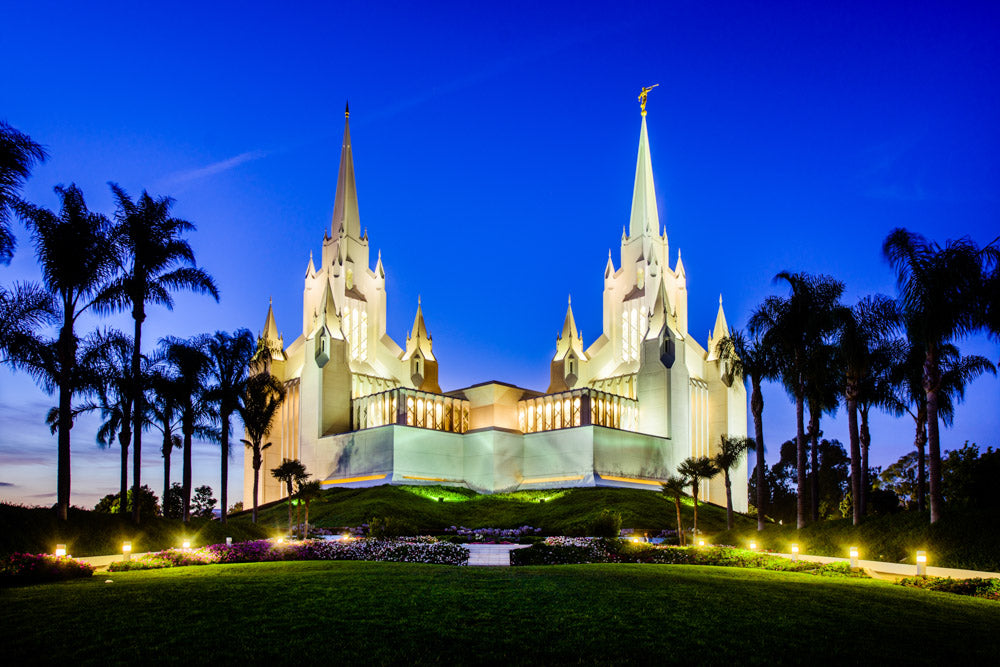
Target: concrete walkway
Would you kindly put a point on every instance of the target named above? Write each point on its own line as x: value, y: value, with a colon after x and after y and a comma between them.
x: 882, y: 570
x: 491, y: 554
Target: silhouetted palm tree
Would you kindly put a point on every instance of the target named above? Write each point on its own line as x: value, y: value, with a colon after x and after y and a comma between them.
x: 76, y: 261
x: 750, y: 359
x: 821, y: 398
x: 307, y: 492
x: 673, y: 488
x: 165, y: 415
x: 731, y: 450
x: 154, y: 261
x: 23, y: 310
x: 290, y: 472
x: 939, y: 289
x: 696, y: 470
x: 188, y: 366
x: 229, y: 358
x: 796, y: 326
x: 18, y: 154
x: 860, y: 330
x: 115, y: 400
x: 262, y: 397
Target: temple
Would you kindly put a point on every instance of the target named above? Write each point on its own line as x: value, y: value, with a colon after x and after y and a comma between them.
x: 625, y: 410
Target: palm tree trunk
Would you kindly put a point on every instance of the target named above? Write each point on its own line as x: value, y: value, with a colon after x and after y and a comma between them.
x: 289, y: 508
x: 729, y: 500
x: 67, y: 359
x: 694, y: 494
x: 814, y: 460
x: 225, y: 465
x: 680, y: 529
x: 123, y: 441
x: 921, y: 444
x: 138, y: 315
x: 305, y: 534
x: 257, y: 460
x: 168, y: 445
x: 852, y: 429
x: 188, y: 429
x: 866, y: 440
x: 800, y: 459
x: 932, y: 381
x: 757, y: 408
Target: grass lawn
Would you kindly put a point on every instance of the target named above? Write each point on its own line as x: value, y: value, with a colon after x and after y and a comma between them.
x: 395, y: 612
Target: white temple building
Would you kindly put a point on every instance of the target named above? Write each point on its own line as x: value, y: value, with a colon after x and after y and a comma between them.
x: 625, y: 410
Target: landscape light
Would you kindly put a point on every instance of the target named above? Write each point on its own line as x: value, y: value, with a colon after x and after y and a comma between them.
x: 854, y: 558
x: 281, y: 540
x: 60, y: 550
x: 701, y: 543
x: 229, y: 541
x: 186, y: 544
x: 127, y: 550
x: 921, y: 563
x: 795, y: 552
x: 753, y: 546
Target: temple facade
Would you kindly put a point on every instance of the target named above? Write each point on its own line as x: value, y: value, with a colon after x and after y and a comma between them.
x: 625, y: 410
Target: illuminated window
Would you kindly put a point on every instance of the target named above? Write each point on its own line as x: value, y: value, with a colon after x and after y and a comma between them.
x: 409, y: 412
x: 349, y: 278
x: 356, y: 328
x: 640, y: 278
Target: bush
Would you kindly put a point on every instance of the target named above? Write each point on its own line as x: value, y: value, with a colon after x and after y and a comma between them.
x: 149, y: 504
x: 607, y: 524
x: 988, y: 589
x: 37, y: 568
x: 389, y: 527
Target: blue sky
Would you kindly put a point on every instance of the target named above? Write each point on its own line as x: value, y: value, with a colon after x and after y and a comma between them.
x: 495, y: 146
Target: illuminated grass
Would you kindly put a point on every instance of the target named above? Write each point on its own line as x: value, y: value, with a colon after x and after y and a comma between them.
x: 565, y: 511
x: 373, y: 613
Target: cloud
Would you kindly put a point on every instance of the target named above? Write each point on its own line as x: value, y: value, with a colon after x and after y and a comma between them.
x: 180, y: 177
x: 7, y: 484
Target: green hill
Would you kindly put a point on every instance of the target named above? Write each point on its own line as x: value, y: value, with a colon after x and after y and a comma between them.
x: 554, y: 511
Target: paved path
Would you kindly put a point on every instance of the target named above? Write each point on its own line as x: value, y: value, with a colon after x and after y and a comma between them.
x: 491, y: 554
x: 899, y: 570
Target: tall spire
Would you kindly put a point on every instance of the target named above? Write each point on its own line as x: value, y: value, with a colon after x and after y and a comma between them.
x: 345, y: 206
x: 569, y: 326
x: 270, y: 325
x: 418, y: 339
x: 645, y: 219
x: 721, y: 329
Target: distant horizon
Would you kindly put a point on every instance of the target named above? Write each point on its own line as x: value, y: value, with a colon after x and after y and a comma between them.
x: 495, y: 152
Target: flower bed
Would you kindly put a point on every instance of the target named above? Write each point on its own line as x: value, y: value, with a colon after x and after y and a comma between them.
x: 988, y: 589
x: 577, y: 550
x: 22, y: 568
x: 417, y: 550
x: 493, y: 535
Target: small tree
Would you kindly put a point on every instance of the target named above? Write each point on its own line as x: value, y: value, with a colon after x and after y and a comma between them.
x: 309, y: 491
x: 607, y: 524
x: 173, y: 501
x: 730, y: 453
x: 289, y: 472
x: 697, y: 469
x: 111, y: 503
x: 673, y: 488
x: 262, y: 397
x: 203, y: 503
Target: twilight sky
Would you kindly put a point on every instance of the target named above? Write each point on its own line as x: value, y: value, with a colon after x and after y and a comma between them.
x: 494, y: 147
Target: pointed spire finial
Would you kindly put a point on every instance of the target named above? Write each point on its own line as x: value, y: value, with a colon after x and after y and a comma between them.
x: 720, y: 298
x: 569, y: 299
x: 347, y: 109
x: 418, y: 300
x: 270, y: 301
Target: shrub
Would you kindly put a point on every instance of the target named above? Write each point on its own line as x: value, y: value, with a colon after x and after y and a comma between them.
x: 147, y: 562
x: 22, y: 568
x: 388, y: 527
x: 988, y: 589
x: 607, y: 524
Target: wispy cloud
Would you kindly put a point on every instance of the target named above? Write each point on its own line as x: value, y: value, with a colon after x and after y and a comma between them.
x: 219, y: 167
x: 7, y: 484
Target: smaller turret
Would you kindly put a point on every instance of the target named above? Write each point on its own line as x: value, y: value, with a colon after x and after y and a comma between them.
x: 565, y: 369
x: 423, y: 365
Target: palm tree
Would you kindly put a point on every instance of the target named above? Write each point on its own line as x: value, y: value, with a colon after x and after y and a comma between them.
x: 696, y: 470
x: 796, y: 325
x: 938, y: 296
x: 115, y: 393
x: 229, y: 358
x: 76, y: 260
x: 876, y: 390
x: 23, y: 310
x: 731, y: 450
x: 860, y: 329
x: 673, y: 488
x: 18, y: 154
x: 165, y: 416
x: 291, y: 471
x: 262, y: 397
x: 821, y: 398
x: 751, y: 359
x: 154, y: 260
x: 308, y: 491
x: 189, y: 367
